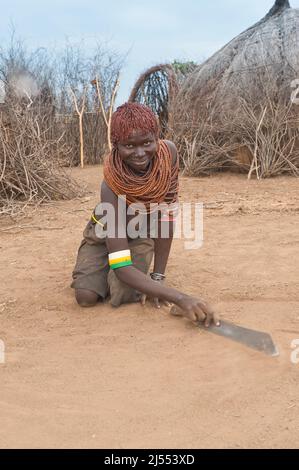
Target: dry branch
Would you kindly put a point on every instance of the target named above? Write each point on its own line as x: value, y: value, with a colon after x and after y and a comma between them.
x: 80, y: 117
x: 107, y: 115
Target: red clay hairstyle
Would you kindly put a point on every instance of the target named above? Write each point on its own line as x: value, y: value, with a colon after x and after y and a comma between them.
x: 129, y: 117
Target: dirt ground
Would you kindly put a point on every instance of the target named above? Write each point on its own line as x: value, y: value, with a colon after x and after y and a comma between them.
x: 136, y: 377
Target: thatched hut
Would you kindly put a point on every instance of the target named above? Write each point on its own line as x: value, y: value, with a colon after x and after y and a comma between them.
x: 156, y: 88
x: 236, y: 106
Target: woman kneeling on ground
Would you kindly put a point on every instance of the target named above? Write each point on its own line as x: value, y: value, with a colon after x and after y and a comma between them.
x: 141, y: 169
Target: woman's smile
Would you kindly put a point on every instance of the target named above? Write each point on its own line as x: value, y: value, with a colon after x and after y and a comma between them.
x: 139, y: 161
x: 138, y: 149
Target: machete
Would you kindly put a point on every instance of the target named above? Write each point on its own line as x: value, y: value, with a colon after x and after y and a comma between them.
x: 251, y: 338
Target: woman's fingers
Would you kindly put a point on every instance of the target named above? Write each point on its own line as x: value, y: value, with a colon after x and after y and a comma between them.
x: 143, y: 299
x: 156, y: 301
x: 208, y: 320
x: 200, y: 315
x: 197, y: 310
x: 216, y: 319
x: 177, y: 312
x: 192, y: 315
x: 211, y: 316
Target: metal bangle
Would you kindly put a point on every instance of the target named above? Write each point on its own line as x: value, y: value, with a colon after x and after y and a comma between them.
x: 157, y: 276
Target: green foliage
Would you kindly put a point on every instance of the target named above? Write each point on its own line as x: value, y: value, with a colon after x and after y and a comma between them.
x: 184, y: 68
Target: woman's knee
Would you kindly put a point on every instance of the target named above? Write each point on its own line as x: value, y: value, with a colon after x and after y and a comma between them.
x: 86, y: 298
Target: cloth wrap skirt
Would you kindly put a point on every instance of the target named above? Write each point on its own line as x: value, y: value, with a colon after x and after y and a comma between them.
x: 92, y: 271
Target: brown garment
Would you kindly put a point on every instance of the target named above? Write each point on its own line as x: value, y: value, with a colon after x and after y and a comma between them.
x: 92, y: 270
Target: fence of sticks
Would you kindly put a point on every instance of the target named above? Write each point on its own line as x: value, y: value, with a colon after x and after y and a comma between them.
x: 52, y: 116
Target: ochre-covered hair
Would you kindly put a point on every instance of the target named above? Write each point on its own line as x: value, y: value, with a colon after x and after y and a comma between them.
x: 129, y: 117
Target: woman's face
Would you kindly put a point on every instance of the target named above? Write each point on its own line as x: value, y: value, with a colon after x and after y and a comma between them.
x: 138, y: 149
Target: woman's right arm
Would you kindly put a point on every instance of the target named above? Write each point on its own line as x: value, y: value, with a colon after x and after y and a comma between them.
x: 194, y: 308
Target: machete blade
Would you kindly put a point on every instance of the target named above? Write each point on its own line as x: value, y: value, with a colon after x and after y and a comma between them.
x: 252, y: 338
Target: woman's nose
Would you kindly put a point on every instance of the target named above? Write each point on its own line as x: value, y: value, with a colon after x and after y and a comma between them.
x: 139, y: 152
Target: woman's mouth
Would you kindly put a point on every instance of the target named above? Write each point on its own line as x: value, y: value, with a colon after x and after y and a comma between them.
x: 139, y: 161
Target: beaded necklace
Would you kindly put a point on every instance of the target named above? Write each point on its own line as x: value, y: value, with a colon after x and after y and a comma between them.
x: 157, y: 184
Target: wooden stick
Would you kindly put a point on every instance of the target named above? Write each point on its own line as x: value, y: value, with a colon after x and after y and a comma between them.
x: 112, y: 100
x: 113, y: 96
x: 80, y: 115
x: 101, y: 101
x: 254, y: 160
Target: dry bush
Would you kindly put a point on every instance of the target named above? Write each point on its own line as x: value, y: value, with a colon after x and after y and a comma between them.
x: 95, y: 138
x: 266, y: 123
x: 39, y: 132
x: 269, y: 131
x: 202, y: 142
x: 54, y: 80
x: 28, y: 169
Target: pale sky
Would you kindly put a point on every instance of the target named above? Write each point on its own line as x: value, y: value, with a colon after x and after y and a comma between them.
x: 153, y: 31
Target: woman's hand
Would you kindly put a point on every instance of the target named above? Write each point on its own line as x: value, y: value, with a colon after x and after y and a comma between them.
x: 196, y: 310
x: 157, y: 302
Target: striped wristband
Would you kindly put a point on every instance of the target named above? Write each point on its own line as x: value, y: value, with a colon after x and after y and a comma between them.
x: 119, y: 259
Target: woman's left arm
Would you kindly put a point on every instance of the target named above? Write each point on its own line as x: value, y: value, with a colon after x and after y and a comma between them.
x: 164, y: 237
x: 162, y: 247
x: 163, y: 243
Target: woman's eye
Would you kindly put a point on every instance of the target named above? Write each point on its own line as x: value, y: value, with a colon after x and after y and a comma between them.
x: 147, y: 143
x: 129, y: 146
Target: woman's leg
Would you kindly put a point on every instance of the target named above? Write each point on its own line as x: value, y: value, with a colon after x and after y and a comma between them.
x: 86, y: 298
x: 91, y: 270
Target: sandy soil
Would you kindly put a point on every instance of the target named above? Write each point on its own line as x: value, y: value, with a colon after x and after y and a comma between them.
x: 133, y: 377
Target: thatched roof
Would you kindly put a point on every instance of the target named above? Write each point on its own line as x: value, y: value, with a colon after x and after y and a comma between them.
x: 240, y: 98
x: 269, y: 47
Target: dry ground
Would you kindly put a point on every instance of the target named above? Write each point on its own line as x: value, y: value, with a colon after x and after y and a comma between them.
x: 133, y: 377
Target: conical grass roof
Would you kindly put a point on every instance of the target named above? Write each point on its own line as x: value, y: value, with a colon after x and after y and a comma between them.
x: 269, y: 47
x: 241, y: 98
